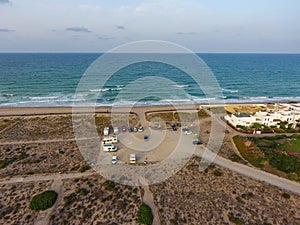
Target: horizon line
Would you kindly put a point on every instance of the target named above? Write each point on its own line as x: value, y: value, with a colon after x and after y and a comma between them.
x: 95, y: 52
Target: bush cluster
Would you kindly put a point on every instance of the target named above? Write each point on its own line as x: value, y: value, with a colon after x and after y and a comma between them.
x: 145, y: 215
x: 43, y: 200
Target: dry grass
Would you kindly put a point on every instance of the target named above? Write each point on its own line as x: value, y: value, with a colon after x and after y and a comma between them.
x: 40, y: 158
x: 250, y: 109
x: 14, y: 201
x: 91, y: 201
x: 217, y: 196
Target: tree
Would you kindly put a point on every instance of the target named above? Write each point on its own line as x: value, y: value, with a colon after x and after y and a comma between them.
x: 256, y: 125
x: 43, y: 200
x: 145, y: 215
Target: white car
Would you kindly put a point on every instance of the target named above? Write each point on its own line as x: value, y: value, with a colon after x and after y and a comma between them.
x: 187, y: 131
x: 114, y: 159
x: 116, y: 130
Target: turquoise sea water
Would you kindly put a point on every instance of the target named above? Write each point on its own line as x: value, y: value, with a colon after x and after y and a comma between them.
x: 51, y: 79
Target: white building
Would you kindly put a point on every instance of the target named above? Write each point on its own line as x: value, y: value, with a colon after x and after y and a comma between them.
x: 289, y: 113
x: 242, y: 119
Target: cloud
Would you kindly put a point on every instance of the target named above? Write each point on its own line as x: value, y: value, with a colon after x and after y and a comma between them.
x: 120, y: 27
x: 6, y: 30
x: 104, y: 37
x: 187, y: 33
x: 78, y: 29
x: 5, y: 1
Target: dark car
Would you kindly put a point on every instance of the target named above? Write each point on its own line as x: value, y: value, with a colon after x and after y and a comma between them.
x: 198, y: 142
x: 146, y: 138
x: 174, y: 127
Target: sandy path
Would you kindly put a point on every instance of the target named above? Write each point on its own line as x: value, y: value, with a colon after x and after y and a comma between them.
x: 44, y: 177
x: 44, y: 216
x: 44, y: 141
x: 251, y: 172
x: 148, y: 199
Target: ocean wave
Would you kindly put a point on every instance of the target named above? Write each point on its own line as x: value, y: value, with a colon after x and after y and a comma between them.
x: 8, y: 95
x: 43, y: 97
x: 180, y: 86
x: 106, y: 89
x: 60, y: 99
x: 229, y: 90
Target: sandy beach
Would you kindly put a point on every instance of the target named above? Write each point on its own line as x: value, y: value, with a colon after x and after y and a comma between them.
x: 19, y: 111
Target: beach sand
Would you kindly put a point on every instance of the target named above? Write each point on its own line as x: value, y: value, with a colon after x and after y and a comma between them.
x: 19, y: 111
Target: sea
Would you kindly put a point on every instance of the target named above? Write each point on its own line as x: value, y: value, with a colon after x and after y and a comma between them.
x: 51, y: 79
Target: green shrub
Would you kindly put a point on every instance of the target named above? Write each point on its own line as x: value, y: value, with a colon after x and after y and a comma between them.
x: 23, y: 155
x: 109, y: 185
x: 70, y: 199
x: 3, y: 163
x: 82, y: 191
x: 236, y: 220
x: 218, y: 173
x: 43, y: 200
x: 286, y: 195
x: 145, y: 215
x: 84, y: 168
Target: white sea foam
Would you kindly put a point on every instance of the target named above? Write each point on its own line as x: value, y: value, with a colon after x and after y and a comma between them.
x: 229, y: 90
x: 118, y: 88
x: 9, y: 95
x: 88, y: 99
x: 180, y: 86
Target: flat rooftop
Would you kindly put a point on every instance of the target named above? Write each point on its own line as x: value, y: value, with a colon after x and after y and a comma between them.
x: 241, y: 115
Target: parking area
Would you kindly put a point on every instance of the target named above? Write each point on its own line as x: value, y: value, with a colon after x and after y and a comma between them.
x: 158, y: 145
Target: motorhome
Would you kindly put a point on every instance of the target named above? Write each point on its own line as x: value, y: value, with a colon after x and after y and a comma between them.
x: 109, y: 148
x: 110, y: 140
x: 132, y: 158
x: 106, y: 131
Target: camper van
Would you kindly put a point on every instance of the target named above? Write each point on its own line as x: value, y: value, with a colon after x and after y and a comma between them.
x: 106, y: 131
x: 132, y: 158
x: 109, y: 148
x: 110, y: 140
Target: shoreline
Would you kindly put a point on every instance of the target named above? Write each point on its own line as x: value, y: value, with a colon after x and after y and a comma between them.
x: 55, y: 110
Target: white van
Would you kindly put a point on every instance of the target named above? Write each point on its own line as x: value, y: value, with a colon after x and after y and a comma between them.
x: 132, y: 158
x: 109, y: 148
x: 116, y: 130
x: 106, y: 131
x: 110, y: 140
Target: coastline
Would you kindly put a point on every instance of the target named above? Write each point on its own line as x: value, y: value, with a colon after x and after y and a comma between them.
x: 55, y: 110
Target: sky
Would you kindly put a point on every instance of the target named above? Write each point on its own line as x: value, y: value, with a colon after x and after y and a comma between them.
x: 213, y: 26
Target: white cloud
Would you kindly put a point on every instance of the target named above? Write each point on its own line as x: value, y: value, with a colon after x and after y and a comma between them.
x: 78, y: 29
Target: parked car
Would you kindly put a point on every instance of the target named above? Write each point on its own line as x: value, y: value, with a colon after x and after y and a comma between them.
x: 123, y: 129
x: 130, y: 129
x: 198, y: 142
x: 141, y: 129
x: 114, y: 159
x: 174, y: 127
x: 106, y: 131
x: 132, y: 158
x: 186, y: 131
x: 116, y: 130
x: 135, y: 129
x: 146, y: 138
